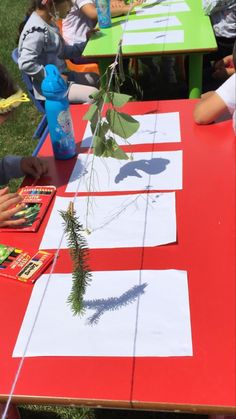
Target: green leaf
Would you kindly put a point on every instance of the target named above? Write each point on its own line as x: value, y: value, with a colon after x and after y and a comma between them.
x: 110, y: 148
x: 98, y: 146
x: 91, y: 112
x: 117, y: 99
x: 121, y: 124
x: 97, y: 95
x: 104, y: 127
x: 116, y: 151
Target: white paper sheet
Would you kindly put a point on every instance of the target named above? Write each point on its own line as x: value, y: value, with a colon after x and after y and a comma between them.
x: 118, y: 221
x: 148, y: 170
x: 163, y: 8
x: 154, y: 128
x: 158, y: 37
x: 155, y: 22
x: 155, y: 304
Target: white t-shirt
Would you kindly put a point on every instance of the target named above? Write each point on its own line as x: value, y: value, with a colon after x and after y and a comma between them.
x: 227, y: 93
x: 76, y: 24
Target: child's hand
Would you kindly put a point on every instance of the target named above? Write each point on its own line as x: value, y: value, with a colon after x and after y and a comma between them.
x: 10, y: 204
x: 118, y: 6
x: 34, y: 166
x: 136, y: 3
x: 207, y: 94
x: 224, y: 68
x: 91, y: 32
x: 225, y: 62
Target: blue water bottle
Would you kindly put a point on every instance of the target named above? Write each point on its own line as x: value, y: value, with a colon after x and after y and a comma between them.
x: 104, y: 13
x: 54, y: 88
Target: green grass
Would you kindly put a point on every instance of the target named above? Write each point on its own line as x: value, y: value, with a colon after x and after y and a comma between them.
x: 55, y: 412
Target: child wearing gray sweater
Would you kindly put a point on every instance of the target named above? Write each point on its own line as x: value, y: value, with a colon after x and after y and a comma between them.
x: 40, y: 43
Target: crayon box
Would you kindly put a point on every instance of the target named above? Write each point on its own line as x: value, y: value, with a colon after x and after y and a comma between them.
x: 22, y: 265
x: 37, y: 200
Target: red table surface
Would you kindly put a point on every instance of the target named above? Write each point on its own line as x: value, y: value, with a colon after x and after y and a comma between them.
x: 205, y: 209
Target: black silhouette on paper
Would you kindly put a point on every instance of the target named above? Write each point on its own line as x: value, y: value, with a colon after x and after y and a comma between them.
x: 113, y: 303
x: 151, y: 167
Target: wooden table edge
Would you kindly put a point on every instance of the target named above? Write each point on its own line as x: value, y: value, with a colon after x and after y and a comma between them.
x: 122, y: 404
x: 144, y: 54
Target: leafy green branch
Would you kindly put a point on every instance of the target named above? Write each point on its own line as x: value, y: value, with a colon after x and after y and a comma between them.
x: 103, y: 127
x: 112, y: 123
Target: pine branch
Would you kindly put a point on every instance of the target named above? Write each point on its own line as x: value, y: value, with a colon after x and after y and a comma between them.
x: 79, y: 254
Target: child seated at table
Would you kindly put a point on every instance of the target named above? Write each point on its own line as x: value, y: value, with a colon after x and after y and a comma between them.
x: 82, y: 18
x: 223, y: 18
x: 15, y: 167
x: 40, y: 43
x: 214, y: 104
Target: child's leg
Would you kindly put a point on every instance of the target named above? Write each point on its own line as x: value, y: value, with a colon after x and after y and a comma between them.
x: 87, y: 79
x: 79, y: 93
x: 84, y: 60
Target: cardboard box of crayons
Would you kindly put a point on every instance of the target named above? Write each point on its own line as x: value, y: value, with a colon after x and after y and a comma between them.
x: 22, y: 265
x: 37, y: 200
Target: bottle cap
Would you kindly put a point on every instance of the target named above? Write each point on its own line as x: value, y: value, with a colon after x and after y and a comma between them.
x: 53, y: 85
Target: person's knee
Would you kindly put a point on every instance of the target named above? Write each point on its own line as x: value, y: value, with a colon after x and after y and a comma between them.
x: 79, y: 93
x: 93, y: 90
x: 93, y: 79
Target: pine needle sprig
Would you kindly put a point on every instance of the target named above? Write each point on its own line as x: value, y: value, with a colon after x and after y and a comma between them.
x: 79, y: 254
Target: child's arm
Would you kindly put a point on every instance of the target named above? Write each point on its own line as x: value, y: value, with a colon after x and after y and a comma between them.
x: 90, y: 11
x: 10, y: 168
x: 15, y: 167
x: 33, y: 166
x: 209, y: 108
x: 118, y: 7
x: 72, y: 52
x: 29, y: 51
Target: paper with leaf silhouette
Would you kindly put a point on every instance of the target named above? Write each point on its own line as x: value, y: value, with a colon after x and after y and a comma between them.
x: 148, y: 170
x: 154, y: 128
x: 158, y: 37
x: 164, y: 8
x: 117, y: 221
x: 155, y: 22
x: 128, y: 313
